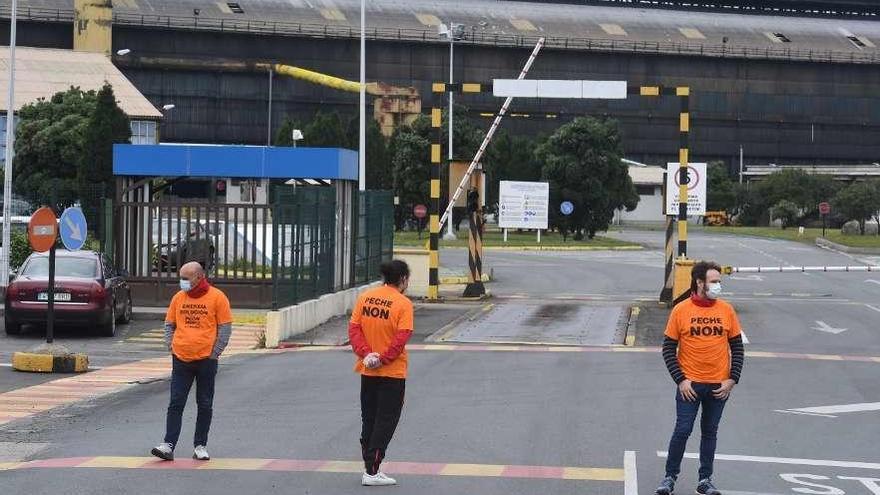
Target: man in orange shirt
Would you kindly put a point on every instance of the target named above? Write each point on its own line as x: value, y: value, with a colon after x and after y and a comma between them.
x: 197, y: 329
x: 705, y: 332
x: 381, y: 324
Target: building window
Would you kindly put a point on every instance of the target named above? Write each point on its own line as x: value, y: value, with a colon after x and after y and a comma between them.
x: 645, y: 190
x: 143, y: 132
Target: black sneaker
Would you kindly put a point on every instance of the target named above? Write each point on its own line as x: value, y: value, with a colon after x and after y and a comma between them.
x: 706, y: 487
x: 667, y: 486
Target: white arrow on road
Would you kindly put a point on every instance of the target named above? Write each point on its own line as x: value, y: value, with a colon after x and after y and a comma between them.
x: 752, y: 278
x: 824, y: 327
x: 75, y: 233
x: 831, y: 411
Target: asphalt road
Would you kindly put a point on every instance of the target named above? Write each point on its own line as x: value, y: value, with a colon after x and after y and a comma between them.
x: 474, y: 417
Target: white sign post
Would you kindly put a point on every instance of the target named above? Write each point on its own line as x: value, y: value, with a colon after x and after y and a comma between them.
x: 523, y: 205
x: 697, y: 180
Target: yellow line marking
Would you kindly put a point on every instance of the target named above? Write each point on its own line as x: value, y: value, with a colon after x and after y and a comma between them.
x: 613, y: 29
x: 5, y: 466
x: 523, y: 25
x: 115, y: 462
x: 428, y: 19
x: 825, y: 357
x: 594, y: 474
x: 333, y: 14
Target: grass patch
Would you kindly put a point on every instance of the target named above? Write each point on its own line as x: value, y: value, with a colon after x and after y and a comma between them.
x: 495, y: 238
x: 809, y: 237
x: 257, y: 319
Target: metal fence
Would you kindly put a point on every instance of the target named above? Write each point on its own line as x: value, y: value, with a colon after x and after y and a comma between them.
x: 375, y: 239
x: 282, y: 28
x: 304, y: 240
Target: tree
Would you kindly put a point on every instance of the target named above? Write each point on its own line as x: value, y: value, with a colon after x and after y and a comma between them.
x: 786, y: 211
x: 107, y: 125
x: 720, y: 189
x: 410, y: 168
x: 284, y: 136
x: 378, y: 160
x: 859, y: 201
x: 582, y: 162
x: 509, y: 158
x: 65, y: 143
x: 326, y: 130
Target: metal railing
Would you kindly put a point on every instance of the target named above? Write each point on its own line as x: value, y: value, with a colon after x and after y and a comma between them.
x: 283, y: 28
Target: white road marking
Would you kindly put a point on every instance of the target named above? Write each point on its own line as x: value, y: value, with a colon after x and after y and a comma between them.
x: 631, y: 478
x: 787, y: 411
x: 821, y: 326
x: 875, y: 308
x: 872, y: 281
x: 842, y: 408
x: 752, y: 278
x: 784, y: 460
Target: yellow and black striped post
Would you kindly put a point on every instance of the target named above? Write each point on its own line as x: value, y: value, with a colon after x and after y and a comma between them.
x: 666, y: 293
x: 475, y: 287
x: 684, y: 120
x: 434, y: 241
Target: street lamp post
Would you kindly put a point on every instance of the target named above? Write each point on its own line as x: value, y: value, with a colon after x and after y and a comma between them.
x: 362, y: 116
x: 10, y: 143
x: 453, y: 33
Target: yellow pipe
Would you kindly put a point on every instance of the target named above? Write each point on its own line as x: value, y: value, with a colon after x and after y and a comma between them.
x: 318, y: 78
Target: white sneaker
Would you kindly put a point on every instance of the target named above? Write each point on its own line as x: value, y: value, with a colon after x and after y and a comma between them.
x: 200, y: 453
x: 164, y: 451
x: 379, y: 479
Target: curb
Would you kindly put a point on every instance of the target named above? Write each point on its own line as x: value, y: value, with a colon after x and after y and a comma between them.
x: 544, y: 248
x: 825, y: 243
x: 630, y: 338
x: 47, y: 363
x: 462, y: 279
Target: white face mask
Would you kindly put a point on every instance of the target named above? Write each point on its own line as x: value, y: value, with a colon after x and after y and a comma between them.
x: 185, y: 285
x: 713, y: 290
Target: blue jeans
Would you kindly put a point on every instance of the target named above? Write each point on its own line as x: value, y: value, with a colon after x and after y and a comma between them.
x: 183, y: 374
x: 686, y: 413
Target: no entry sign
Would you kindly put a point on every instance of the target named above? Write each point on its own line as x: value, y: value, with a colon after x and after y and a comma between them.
x: 824, y: 208
x: 43, y: 230
x: 420, y: 211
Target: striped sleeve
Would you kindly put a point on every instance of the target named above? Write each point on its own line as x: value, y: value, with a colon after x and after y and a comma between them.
x: 737, y: 357
x: 670, y: 356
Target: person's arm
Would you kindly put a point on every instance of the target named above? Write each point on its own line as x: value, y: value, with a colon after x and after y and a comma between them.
x: 356, y: 336
x: 171, y: 322
x: 358, y: 340
x: 670, y: 357
x: 401, y: 336
x: 224, y: 325
x: 737, y: 357
x: 170, y: 327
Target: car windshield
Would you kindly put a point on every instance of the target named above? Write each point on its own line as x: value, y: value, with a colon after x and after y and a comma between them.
x: 64, y: 267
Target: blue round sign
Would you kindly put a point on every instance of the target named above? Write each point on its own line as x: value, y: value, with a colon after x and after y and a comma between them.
x: 73, y: 228
x: 566, y: 208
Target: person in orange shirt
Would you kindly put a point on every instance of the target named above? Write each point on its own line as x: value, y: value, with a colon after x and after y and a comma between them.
x: 381, y: 324
x: 197, y: 329
x: 703, y: 350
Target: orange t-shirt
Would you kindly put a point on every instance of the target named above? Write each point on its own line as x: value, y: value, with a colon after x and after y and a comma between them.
x: 382, y: 312
x: 196, y: 322
x: 702, y: 334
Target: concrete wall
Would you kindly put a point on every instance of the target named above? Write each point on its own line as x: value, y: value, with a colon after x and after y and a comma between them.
x: 650, y: 209
x: 300, y: 318
x: 417, y: 259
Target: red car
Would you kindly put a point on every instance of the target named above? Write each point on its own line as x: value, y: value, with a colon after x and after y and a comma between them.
x: 89, y: 292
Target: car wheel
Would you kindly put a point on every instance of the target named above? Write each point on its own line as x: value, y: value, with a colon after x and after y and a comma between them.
x: 109, y: 328
x: 126, y: 313
x: 12, y: 327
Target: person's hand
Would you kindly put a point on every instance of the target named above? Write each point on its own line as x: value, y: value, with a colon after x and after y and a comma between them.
x: 723, y: 392
x: 372, y: 361
x: 686, y: 389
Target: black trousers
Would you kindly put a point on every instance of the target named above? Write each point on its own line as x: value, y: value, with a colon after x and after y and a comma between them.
x: 381, y: 405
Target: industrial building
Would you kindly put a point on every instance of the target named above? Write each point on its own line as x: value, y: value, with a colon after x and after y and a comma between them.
x: 788, y: 85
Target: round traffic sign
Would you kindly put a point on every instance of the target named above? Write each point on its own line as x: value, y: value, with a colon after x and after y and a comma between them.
x: 693, y: 178
x: 566, y: 208
x: 73, y: 228
x: 420, y: 211
x: 43, y: 229
x: 824, y: 208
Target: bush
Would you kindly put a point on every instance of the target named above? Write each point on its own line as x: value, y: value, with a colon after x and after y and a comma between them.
x: 21, y: 249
